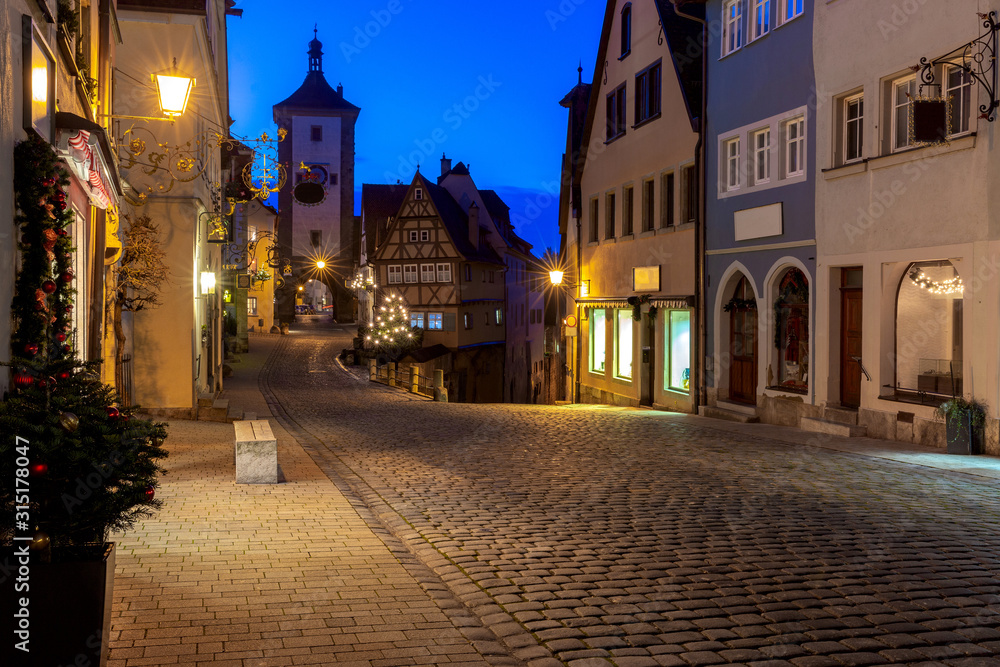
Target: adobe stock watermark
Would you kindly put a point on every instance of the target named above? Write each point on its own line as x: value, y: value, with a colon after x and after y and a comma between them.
x: 900, y: 15
x: 364, y: 34
x: 562, y: 12
x: 882, y: 201
x: 454, y: 117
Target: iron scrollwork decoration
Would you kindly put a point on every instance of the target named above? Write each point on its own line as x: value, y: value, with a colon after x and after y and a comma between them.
x: 977, y: 59
x: 183, y: 163
x: 242, y: 257
x: 659, y: 38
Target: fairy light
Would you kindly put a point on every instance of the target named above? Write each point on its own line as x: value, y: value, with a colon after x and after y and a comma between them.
x: 942, y: 287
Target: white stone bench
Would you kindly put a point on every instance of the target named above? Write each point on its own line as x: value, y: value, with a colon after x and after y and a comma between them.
x: 256, y: 452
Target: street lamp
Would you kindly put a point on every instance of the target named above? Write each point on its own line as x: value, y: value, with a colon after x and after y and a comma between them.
x: 173, y: 90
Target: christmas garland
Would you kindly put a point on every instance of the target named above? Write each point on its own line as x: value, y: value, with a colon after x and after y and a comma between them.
x: 740, y: 304
x: 92, y: 466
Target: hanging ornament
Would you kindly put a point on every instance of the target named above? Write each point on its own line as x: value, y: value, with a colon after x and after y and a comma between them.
x: 49, y: 182
x: 66, y: 277
x: 68, y: 307
x: 40, y: 541
x: 49, y: 287
x: 113, y: 412
x: 38, y: 469
x: 61, y: 337
x: 150, y: 493
x: 41, y: 383
x: 23, y: 380
x: 69, y: 421
x: 65, y: 375
x: 62, y: 232
x: 31, y: 349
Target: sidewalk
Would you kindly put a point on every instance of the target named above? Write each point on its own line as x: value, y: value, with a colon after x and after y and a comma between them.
x: 271, y: 575
x: 918, y: 455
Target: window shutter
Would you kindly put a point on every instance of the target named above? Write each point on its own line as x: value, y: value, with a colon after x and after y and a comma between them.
x: 448, y: 322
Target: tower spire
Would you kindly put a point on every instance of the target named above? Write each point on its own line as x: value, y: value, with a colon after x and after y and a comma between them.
x: 316, y: 52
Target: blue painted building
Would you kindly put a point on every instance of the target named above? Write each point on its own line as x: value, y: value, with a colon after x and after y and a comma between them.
x: 760, y: 247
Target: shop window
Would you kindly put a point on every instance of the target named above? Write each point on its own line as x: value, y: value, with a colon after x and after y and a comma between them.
x: 929, y: 331
x: 598, y: 341
x: 791, y: 310
x: 678, y: 337
x: 623, y: 344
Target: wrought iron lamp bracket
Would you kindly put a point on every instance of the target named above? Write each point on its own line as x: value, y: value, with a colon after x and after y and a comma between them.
x: 977, y: 59
x: 240, y: 257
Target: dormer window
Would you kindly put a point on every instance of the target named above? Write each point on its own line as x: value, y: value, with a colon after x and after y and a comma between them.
x: 626, y: 30
x: 418, y: 194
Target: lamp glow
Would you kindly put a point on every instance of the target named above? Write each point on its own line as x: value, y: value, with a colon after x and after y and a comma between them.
x: 39, y: 85
x: 556, y: 277
x: 207, y: 282
x: 173, y: 90
x: 320, y: 264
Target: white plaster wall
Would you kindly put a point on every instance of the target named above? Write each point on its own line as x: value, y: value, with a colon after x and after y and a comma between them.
x: 326, y: 216
x: 925, y: 204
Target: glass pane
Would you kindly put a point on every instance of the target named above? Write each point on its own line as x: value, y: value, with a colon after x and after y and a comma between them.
x: 623, y: 344
x: 929, y: 329
x: 679, y: 348
x: 598, y: 341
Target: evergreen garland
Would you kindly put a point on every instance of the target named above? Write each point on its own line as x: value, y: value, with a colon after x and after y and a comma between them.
x: 92, y: 466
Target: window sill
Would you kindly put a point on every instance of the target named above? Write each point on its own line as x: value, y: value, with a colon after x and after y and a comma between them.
x: 623, y: 380
x: 624, y: 55
x: 887, y: 160
x: 626, y: 237
x: 646, y: 234
x: 796, y: 391
x: 850, y: 169
x: 927, y: 401
x: 679, y: 392
x: 614, y: 138
x: 647, y: 121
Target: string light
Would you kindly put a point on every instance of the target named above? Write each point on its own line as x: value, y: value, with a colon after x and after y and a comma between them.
x: 945, y: 287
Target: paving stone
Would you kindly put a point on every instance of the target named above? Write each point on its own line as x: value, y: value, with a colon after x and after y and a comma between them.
x: 691, y: 534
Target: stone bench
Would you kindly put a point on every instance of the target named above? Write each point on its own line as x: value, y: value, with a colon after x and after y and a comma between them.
x: 256, y: 452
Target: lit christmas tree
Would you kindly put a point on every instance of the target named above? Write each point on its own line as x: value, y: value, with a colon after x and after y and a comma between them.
x: 391, y: 332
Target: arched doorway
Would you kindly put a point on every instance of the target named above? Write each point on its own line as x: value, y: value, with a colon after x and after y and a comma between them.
x: 742, y: 309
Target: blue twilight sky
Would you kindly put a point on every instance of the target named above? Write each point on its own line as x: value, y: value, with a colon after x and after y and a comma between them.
x: 479, y: 81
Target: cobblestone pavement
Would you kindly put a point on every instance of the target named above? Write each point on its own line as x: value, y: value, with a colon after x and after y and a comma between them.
x: 591, y: 536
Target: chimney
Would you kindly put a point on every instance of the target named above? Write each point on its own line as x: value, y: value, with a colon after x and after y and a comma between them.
x: 445, y: 165
x: 474, y: 225
x: 340, y: 89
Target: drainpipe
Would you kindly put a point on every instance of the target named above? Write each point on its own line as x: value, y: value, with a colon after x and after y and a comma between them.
x: 579, y: 322
x: 700, y: 397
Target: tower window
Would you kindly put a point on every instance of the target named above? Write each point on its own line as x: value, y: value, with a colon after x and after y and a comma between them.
x: 316, y: 238
x: 316, y: 133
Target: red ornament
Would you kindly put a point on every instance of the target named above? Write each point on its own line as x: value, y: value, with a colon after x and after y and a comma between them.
x: 66, y: 349
x: 113, y: 412
x: 39, y: 306
x: 68, y: 307
x: 66, y: 277
x: 23, y: 380
x: 150, y: 493
x: 42, y: 383
x: 31, y: 349
x: 38, y: 469
x: 65, y: 375
x: 61, y: 205
x: 60, y: 195
x: 60, y: 337
x: 62, y: 232
x: 49, y: 182
x: 48, y: 287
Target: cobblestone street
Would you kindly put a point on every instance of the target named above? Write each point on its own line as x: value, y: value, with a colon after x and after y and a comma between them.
x: 595, y: 536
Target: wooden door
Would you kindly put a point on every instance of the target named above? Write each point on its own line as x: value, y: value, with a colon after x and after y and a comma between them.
x: 851, y: 302
x: 743, y: 346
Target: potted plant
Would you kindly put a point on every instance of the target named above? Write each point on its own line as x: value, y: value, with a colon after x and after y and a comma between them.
x: 76, y: 465
x: 965, y: 424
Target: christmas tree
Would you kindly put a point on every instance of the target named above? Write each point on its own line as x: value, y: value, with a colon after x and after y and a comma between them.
x: 391, y: 332
x: 78, y: 465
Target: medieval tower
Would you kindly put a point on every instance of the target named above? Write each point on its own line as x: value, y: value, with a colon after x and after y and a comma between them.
x: 316, y: 206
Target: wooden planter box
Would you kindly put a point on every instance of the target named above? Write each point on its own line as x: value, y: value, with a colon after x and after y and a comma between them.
x: 963, y: 438
x: 70, y: 608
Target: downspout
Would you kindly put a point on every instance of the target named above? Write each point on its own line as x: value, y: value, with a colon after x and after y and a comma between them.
x: 700, y: 341
x: 579, y: 322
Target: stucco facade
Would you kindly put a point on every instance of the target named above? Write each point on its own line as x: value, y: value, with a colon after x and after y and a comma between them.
x: 630, y: 243
x: 760, y: 240
x: 898, y: 210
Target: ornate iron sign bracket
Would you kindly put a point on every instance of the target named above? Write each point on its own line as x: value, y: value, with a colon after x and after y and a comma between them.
x: 976, y: 58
